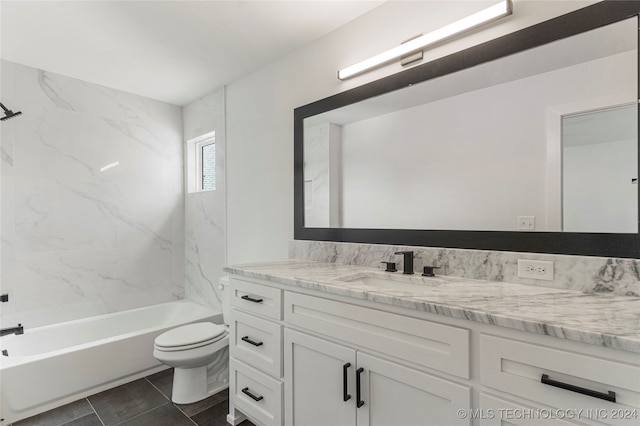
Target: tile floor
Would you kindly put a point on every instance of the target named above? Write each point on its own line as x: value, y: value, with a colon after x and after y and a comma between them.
x: 144, y: 402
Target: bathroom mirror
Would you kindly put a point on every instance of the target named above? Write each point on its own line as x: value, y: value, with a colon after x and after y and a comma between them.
x: 525, y: 143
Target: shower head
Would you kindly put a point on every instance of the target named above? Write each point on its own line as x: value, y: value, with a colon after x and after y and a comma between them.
x: 8, y: 113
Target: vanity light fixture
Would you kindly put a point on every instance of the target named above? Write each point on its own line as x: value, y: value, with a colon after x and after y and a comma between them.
x: 497, y: 11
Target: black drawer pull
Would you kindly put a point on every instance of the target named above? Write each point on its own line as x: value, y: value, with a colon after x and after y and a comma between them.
x: 251, y: 342
x: 359, y: 402
x: 252, y: 396
x: 610, y: 396
x: 345, y: 395
x: 251, y: 299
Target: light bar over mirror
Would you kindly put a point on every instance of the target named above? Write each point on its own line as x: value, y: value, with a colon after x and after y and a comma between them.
x: 490, y: 14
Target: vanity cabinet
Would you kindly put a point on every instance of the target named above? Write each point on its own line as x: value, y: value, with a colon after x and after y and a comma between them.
x: 302, y: 357
x: 291, y: 363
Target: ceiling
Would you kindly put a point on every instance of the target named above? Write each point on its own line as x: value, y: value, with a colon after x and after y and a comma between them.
x: 602, y: 126
x: 173, y: 51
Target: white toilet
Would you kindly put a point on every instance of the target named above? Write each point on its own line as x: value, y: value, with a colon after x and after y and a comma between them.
x: 189, y: 349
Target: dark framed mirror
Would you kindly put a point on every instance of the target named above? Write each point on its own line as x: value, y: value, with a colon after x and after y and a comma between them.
x: 525, y: 143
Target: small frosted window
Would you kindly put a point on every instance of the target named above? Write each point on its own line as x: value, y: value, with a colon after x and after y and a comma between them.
x: 208, y: 166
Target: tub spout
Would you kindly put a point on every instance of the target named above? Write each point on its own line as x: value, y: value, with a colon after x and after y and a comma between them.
x: 12, y: 330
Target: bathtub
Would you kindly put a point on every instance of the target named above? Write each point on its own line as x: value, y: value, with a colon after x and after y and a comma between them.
x: 50, y: 366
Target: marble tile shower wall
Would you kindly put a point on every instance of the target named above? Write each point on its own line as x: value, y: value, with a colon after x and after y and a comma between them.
x: 583, y: 273
x: 205, y: 238
x: 92, y: 210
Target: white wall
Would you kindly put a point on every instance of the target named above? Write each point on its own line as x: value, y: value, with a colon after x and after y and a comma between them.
x: 260, y: 107
x: 79, y: 239
x: 597, y: 180
x: 205, y: 238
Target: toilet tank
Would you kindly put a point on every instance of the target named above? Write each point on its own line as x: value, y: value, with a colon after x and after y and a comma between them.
x: 226, y: 298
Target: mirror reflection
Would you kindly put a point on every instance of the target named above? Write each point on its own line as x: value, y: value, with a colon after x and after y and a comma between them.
x: 599, y: 171
x: 510, y: 145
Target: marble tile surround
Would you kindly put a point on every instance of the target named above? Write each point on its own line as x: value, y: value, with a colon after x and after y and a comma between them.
x: 79, y: 239
x: 204, y: 249
x: 205, y: 235
x: 613, y: 276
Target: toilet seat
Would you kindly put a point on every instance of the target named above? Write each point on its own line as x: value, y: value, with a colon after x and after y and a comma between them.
x: 189, y: 336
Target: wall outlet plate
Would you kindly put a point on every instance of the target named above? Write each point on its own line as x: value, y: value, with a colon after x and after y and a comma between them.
x: 526, y: 223
x: 535, y: 269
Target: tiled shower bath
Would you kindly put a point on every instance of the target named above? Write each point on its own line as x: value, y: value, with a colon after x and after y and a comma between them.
x: 92, y: 205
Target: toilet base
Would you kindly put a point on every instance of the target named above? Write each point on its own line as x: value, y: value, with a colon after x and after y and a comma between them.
x: 190, y: 373
x: 190, y: 385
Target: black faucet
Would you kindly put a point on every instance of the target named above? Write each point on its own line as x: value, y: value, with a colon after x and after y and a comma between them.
x: 408, y: 261
x: 12, y: 330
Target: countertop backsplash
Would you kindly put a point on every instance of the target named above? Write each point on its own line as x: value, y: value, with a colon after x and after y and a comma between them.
x: 582, y: 273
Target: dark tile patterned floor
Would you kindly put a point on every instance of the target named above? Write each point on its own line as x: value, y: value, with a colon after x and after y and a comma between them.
x: 144, y: 402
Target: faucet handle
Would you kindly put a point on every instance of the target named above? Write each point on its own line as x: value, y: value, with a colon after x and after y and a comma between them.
x: 391, y: 266
x: 428, y: 271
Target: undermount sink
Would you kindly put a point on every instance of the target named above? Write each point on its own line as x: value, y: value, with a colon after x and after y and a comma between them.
x: 390, y: 281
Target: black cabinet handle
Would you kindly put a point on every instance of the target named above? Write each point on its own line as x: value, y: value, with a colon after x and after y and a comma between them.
x: 251, y: 299
x: 345, y: 395
x: 610, y: 396
x: 359, y: 402
x: 251, y: 342
x: 252, y: 396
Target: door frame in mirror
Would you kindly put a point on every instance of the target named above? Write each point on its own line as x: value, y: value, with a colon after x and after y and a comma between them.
x: 586, y: 244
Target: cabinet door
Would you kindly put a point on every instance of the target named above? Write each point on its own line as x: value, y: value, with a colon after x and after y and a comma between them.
x: 401, y: 396
x: 314, y: 378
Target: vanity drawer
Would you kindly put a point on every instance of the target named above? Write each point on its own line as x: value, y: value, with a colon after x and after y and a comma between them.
x: 438, y: 346
x: 256, y: 341
x: 256, y: 298
x: 255, y: 394
x: 496, y: 411
x: 517, y: 368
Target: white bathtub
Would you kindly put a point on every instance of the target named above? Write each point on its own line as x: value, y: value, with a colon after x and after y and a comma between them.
x: 52, y: 365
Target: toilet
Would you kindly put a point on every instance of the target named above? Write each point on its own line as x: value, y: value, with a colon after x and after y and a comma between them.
x: 189, y: 349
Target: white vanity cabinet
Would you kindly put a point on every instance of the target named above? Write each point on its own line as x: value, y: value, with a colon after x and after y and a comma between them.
x: 295, y: 358
x: 303, y: 357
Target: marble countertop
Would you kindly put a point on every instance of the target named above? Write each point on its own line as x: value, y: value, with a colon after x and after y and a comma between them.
x: 598, y: 319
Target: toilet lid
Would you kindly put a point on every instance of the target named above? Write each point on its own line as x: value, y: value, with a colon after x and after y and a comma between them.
x: 190, y: 334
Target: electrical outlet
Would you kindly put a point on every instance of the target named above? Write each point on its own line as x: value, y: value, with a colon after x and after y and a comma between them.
x: 535, y: 269
x: 526, y: 223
